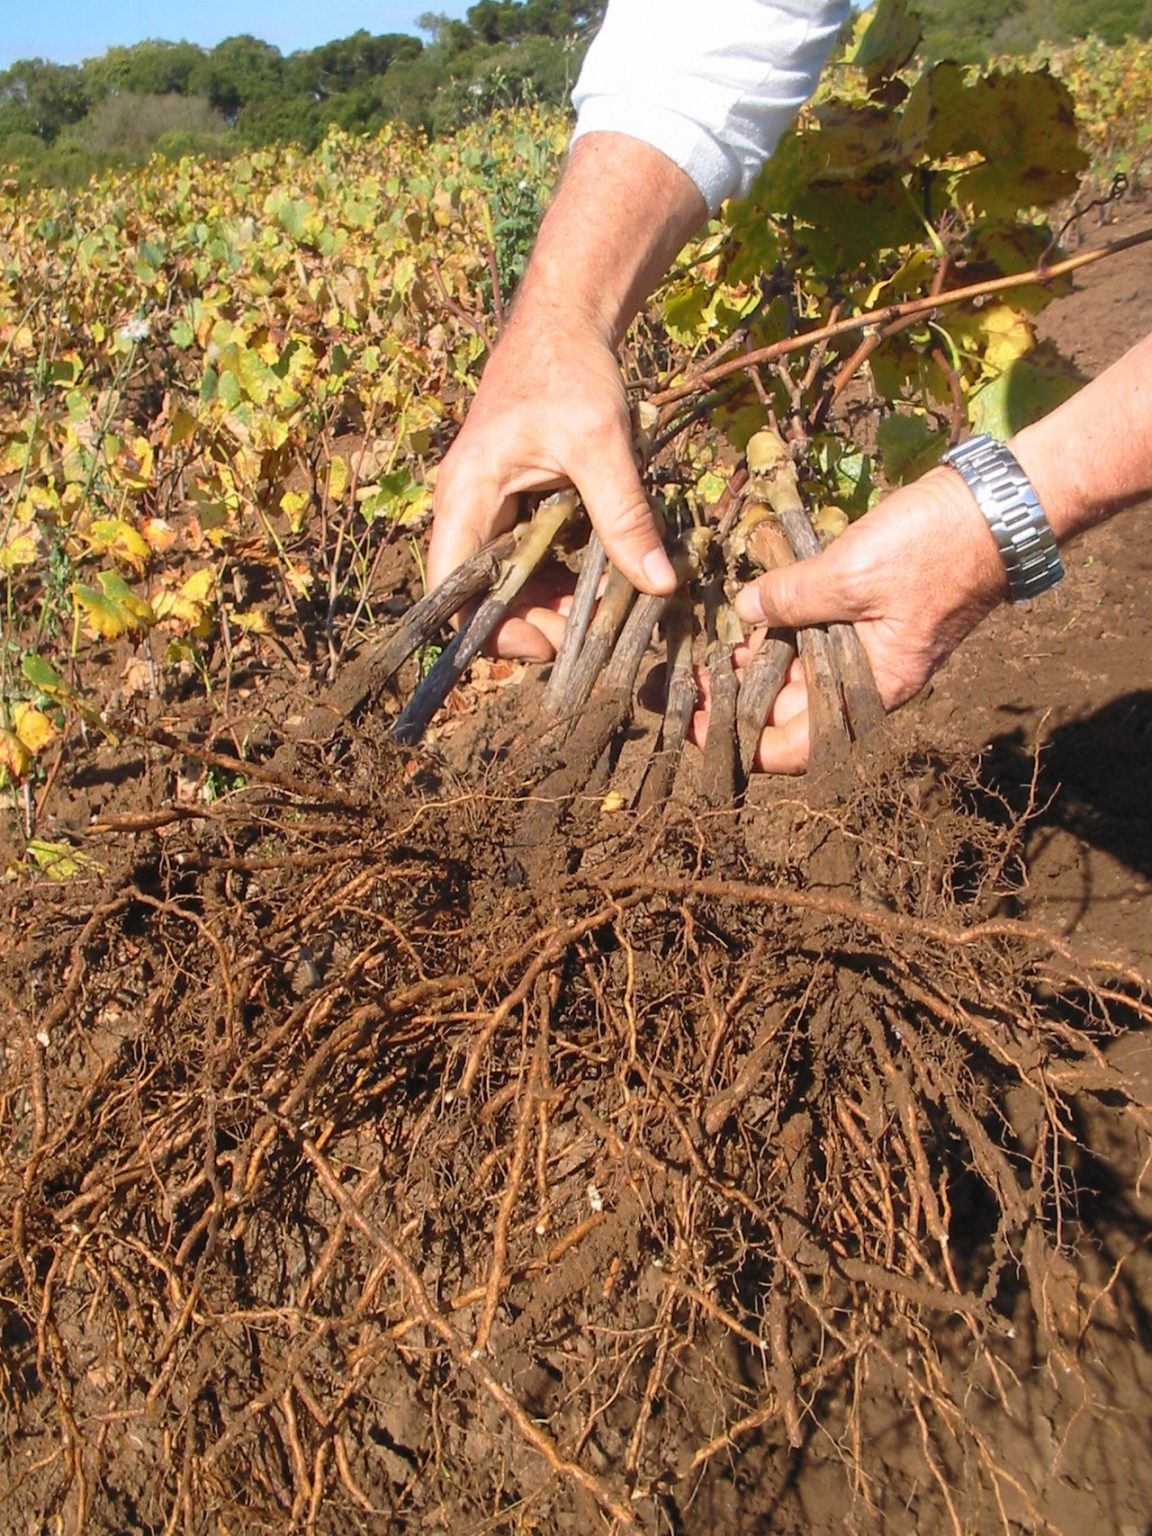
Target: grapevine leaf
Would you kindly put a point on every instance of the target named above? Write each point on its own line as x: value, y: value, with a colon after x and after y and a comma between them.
x: 112, y: 536
x: 908, y: 447
x: 115, y: 609
x: 22, y: 548
x: 1027, y: 389
x: 294, y: 505
x: 884, y: 39
x: 685, y: 313
x: 1021, y: 125
x: 44, y: 677
x: 997, y: 248
x: 254, y: 622
x: 34, y: 728
x: 15, y: 757
x: 339, y: 475
x: 60, y: 861
x: 398, y: 497
x: 191, y: 603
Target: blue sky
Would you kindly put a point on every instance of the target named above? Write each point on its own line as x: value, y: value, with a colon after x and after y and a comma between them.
x: 66, y: 31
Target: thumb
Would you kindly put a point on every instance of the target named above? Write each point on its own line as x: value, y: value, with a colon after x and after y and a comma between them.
x: 616, y: 503
x: 797, y: 595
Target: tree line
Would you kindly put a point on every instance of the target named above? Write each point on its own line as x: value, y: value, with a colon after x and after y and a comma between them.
x: 62, y: 122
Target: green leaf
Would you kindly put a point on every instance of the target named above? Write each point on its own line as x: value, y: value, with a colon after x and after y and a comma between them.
x: 908, y: 447
x: 398, y: 497
x: 685, y: 312
x: 1021, y: 124
x: 291, y: 216
x: 43, y: 676
x: 1027, y: 389
x: 847, y: 473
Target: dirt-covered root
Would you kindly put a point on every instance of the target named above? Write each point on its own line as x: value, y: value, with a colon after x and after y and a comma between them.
x: 351, y: 1188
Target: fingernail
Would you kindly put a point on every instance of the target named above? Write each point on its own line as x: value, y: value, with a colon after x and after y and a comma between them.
x: 748, y: 605
x: 658, y: 572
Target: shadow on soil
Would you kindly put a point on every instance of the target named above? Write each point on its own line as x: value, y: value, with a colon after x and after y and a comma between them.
x: 1092, y: 779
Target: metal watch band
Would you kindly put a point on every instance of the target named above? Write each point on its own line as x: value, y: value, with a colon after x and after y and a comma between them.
x: 1013, y: 512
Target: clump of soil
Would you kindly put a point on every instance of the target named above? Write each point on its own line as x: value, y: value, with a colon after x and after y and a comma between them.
x: 370, y: 1171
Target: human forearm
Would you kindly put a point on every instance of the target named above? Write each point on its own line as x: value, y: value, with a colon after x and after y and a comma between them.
x: 620, y: 215
x: 1093, y: 455
x: 678, y: 108
x: 551, y: 408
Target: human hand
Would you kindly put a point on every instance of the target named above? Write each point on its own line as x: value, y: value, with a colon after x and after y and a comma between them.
x: 915, y: 576
x: 550, y: 411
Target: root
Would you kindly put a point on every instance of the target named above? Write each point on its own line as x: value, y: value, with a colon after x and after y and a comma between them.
x: 560, y: 1205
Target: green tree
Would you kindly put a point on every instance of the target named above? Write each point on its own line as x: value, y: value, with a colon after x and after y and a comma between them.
x: 349, y: 64
x: 151, y: 68
x: 504, y: 21
x: 41, y: 98
x: 238, y: 71
x: 448, y: 35
x: 971, y: 31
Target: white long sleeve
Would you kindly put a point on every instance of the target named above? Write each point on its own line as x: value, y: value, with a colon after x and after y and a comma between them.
x: 712, y: 84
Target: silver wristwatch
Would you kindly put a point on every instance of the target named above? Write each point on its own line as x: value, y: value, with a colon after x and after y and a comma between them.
x: 1013, y: 512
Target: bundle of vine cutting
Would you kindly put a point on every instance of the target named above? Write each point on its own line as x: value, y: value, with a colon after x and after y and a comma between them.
x: 590, y: 697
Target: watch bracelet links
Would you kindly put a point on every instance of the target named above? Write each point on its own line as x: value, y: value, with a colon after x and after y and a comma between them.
x: 1012, y: 510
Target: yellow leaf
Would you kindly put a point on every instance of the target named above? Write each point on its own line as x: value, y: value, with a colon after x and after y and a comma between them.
x: 338, y: 476
x: 158, y: 534
x: 253, y: 622
x: 191, y: 604
x: 15, y: 758
x: 299, y: 578
x: 996, y: 333
x: 201, y: 585
x: 60, y: 861
x: 113, y: 536
x: 1008, y: 336
x: 294, y: 505
x: 133, y: 464
x: 912, y: 279
x: 182, y: 427
x: 22, y: 548
x: 34, y: 728
x: 115, y: 609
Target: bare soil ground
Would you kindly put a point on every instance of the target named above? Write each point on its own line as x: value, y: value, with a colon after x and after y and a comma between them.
x: 366, y: 1169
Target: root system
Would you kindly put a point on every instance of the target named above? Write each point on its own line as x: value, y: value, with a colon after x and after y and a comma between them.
x: 361, y: 1177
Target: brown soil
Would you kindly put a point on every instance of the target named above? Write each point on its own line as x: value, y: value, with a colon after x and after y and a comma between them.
x: 370, y: 1169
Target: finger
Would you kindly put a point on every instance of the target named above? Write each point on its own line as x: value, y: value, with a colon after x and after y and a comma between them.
x: 463, y: 523
x: 653, y: 691
x: 528, y: 638
x: 784, y: 748
x: 616, y: 503
x: 535, y: 624
x: 784, y: 744
x: 793, y: 596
